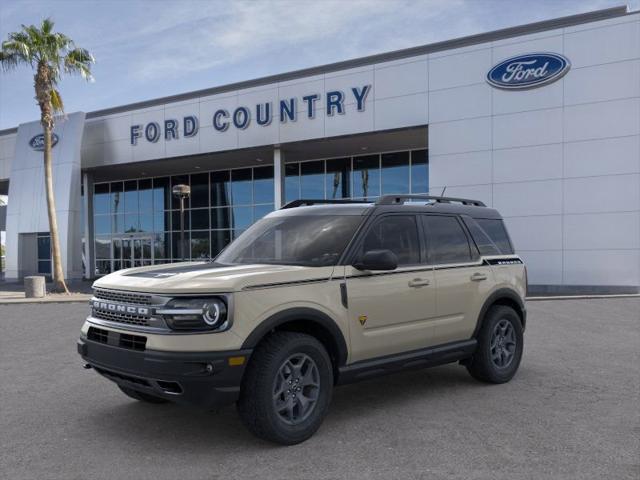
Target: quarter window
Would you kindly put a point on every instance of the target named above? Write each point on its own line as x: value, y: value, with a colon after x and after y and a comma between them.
x: 397, y: 233
x: 446, y: 240
x: 494, y: 228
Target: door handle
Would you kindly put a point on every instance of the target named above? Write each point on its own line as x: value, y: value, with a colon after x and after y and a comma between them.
x: 477, y: 277
x: 419, y: 282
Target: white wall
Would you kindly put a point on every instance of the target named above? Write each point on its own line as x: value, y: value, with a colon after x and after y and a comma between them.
x: 561, y: 162
x: 7, y: 151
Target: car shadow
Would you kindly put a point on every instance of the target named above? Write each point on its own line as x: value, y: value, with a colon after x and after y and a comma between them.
x: 197, y: 431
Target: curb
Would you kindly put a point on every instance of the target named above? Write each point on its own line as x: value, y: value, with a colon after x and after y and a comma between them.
x: 71, y: 299
x: 582, y: 297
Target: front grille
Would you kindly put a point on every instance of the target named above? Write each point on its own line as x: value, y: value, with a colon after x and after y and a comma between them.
x: 123, y: 297
x: 128, y: 318
x: 133, y: 342
x: 123, y: 340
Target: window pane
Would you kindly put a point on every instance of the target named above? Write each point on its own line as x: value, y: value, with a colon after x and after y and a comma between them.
x: 146, y: 222
x: 292, y: 182
x: 263, y: 185
x: 117, y: 223
x: 101, y: 198
x: 219, y: 240
x: 145, y: 195
x: 131, y: 222
x: 103, y: 247
x: 161, y: 222
x: 241, y: 187
x: 44, y: 247
x: 220, y: 218
x: 117, y: 197
x: 179, y: 180
x: 160, y: 245
x: 102, y: 224
x: 395, y: 172
x: 337, y: 182
x: 200, y: 190
x: 420, y: 171
x: 366, y: 177
x: 118, y: 253
x: 44, y: 267
x: 175, y: 220
x: 447, y: 242
x: 103, y: 267
x: 496, y: 231
x: 175, y: 246
x: 260, y: 211
x: 200, y: 245
x: 485, y: 245
x: 131, y: 196
x: 242, y: 217
x: 200, y: 219
x: 312, y: 180
x: 161, y: 194
x: 398, y: 234
x: 220, y: 189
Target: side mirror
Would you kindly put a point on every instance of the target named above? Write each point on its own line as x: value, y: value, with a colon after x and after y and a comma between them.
x: 377, y: 260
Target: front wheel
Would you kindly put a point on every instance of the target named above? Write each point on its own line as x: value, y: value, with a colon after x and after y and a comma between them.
x: 500, y: 346
x: 287, y: 388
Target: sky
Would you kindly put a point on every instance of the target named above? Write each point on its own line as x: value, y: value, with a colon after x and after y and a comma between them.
x: 150, y: 49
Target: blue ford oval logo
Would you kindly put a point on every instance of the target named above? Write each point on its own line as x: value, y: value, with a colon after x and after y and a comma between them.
x: 37, y: 142
x: 528, y: 71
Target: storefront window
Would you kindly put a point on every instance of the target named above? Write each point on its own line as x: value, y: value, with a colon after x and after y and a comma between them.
x: 420, y: 171
x: 312, y: 179
x: 395, y: 172
x: 366, y: 177
x: 337, y: 184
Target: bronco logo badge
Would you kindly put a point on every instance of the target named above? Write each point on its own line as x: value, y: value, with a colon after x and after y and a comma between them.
x: 528, y: 71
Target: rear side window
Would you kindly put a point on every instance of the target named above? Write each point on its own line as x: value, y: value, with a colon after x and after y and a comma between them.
x: 397, y: 233
x: 494, y: 228
x: 446, y: 240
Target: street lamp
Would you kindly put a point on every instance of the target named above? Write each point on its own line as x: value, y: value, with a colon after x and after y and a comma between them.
x: 182, y: 192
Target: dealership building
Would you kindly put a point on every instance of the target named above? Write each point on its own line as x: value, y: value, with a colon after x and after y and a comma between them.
x: 541, y: 121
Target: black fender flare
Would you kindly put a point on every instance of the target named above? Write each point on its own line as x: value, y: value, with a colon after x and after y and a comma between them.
x: 502, y: 293
x: 306, y: 314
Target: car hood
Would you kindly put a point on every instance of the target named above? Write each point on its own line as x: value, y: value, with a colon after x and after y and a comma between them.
x: 199, y: 277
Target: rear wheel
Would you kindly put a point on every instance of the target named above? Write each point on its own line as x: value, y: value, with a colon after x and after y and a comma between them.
x: 287, y: 388
x: 140, y: 396
x: 500, y: 346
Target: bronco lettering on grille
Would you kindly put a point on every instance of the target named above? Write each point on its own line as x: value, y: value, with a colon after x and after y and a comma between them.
x: 118, y: 308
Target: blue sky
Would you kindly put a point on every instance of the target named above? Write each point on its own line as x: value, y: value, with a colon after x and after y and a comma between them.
x: 149, y: 49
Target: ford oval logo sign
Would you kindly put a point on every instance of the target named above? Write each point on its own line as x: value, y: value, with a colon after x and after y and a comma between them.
x: 37, y: 142
x: 528, y: 71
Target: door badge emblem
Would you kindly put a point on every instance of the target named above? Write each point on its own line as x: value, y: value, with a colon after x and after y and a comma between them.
x: 362, y: 319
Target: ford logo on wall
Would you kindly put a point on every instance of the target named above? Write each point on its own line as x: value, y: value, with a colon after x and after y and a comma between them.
x: 528, y: 71
x: 37, y: 142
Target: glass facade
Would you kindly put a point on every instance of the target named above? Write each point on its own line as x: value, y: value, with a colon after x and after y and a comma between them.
x: 137, y: 222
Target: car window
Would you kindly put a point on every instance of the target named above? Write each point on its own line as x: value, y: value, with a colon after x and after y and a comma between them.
x: 398, y: 233
x: 497, y: 233
x: 446, y: 240
x: 485, y: 244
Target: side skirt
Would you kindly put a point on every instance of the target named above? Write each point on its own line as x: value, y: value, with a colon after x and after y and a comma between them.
x: 425, y: 357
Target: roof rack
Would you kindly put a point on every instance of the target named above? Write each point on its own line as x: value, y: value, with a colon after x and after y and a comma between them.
x: 400, y: 199
x: 308, y: 202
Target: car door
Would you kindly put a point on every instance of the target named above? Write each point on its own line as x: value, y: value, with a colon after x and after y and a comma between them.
x: 389, y: 311
x: 461, y: 279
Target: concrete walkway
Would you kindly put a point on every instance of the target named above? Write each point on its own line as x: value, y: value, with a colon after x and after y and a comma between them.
x: 14, y: 293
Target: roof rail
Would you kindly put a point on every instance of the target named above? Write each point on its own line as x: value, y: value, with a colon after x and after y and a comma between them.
x: 400, y: 199
x: 307, y: 202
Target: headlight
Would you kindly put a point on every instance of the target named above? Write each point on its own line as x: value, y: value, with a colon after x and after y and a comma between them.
x: 195, y: 314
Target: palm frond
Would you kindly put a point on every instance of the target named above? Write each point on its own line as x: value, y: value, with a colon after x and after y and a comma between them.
x: 56, y: 101
x: 79, y: 61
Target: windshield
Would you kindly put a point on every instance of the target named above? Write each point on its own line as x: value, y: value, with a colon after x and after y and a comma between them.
x: 313, y: 240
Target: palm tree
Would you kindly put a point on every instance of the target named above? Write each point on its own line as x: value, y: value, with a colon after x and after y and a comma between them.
x: 50, y: 55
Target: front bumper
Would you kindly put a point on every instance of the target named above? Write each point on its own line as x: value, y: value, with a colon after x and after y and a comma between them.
x: 202, y: 379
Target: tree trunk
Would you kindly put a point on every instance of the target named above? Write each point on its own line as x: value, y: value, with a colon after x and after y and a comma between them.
x: 59, y: 284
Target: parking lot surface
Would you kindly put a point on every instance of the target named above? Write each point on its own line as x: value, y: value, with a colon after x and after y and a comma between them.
x: 572, y: 412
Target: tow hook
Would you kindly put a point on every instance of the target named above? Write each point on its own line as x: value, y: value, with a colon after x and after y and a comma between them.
x: 86, y: 366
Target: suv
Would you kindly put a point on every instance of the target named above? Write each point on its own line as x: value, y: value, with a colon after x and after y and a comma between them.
x: 316, y: 294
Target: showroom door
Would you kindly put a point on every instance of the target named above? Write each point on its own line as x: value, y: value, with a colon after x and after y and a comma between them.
x: 132, y: 251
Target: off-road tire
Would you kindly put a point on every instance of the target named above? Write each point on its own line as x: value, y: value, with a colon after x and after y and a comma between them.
x: 141, y: 396
x: 256, y: 405
x: 482, y: 365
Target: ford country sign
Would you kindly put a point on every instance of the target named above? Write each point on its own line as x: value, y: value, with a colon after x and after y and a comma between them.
x: 528, y: 71
x: 37, y: 142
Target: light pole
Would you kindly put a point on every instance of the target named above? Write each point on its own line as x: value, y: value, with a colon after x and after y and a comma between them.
x: 182, y: 192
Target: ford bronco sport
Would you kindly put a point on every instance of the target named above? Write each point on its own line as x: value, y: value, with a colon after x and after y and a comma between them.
x: 316, y: 294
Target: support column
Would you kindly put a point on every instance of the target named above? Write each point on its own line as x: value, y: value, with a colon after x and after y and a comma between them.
x: 278, y: 177
x: 87, y: 203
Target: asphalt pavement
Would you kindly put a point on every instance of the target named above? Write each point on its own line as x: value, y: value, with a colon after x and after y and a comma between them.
x: 572, y: 412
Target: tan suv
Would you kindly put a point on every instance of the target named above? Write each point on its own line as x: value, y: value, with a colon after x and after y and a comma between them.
x: 316, y: 294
